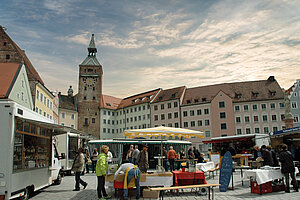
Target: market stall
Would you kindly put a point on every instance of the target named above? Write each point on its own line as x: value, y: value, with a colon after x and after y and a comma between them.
x: 188, y: 178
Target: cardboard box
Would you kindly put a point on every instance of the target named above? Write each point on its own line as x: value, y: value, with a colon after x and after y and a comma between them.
x: 150, y: 194
x: 120, y: 177
x: 109, y: 178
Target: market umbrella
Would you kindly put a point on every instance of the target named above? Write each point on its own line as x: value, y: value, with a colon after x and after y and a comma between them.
x: 163, y: 131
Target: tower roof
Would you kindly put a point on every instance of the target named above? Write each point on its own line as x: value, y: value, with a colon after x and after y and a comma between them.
x: 92, y: 50
x: 92, y: 47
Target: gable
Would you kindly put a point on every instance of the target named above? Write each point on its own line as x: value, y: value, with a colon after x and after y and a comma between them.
x: 20, y: 91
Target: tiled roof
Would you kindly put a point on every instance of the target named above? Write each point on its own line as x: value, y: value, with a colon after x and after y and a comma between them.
x: 67, y: 102
x: 239, y: 92
x: 7, y: 76
x: 31, y: 72
x: 137, y: 99
x: 169, y: 94
x: 110, y: 102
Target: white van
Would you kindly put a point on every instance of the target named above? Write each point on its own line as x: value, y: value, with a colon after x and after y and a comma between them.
x: 28, y: 157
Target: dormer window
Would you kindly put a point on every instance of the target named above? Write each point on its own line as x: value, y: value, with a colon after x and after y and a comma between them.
x: 174, y: 95
x: 160, y: 98
x: 90, y: 70
x: 203, y: 99
x: 4, y: 43
x: 272, y: 93
x: 108, y: 104
x: 188, y: 101
x: 255, y: 94
x: 196, y: 100
x: 7, y: 57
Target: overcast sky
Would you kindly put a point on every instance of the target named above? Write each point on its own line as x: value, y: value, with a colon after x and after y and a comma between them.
x: 144, y: 45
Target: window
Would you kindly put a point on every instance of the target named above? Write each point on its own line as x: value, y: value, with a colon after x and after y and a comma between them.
x: 263, y: 106
x: 162, y: 106
x: 162, y: 116
x: 104, y: 121
x: 42, y: 97
x: 274, y: 117
x: 93, y: 120
x: 185, y: 113
x: 7, y: 57
x: 85, y: 88
x: 48, y: 103
x: 63, y: 115
x: 272, y: 105
x: 237, y: 108
x: 223, y: 126
x: 140, y: 117
x: 282, y: 117
x: 4, y: 43
x: 281, y: 105
x: 248, y: 131
x: 192, y: 113
x: 221, y: 104
x: 86, y: 121
x: 238, y: 119
x: 84, y: 98
x: 176, y: 125
x: 266, y: 130
x: 193, y: 123
x: 199, y: 112
x: 72, y: 125
x: 144, y: 107
x: 206, y: 111
x: 247, y: 119
x: 135, y: 118
x: 45, y: 100
x: 169, y: 105
x: 72, y: 116
x: 255, y: 118
x: 40, y: 111
x: 51, y: 105
x: 239, y: 131
x: 169, y: 124
x: 265, y: 118
x: 246, y: 107
x: 294, y: 105
x: 175, y: 114
x: 207, y: 122
x: 254, y: 107
x: 108, y: 112
x: 37, y: 94
x: 275, y: 128
x: 135, y: 109
x: 185, y: 124
x: 207, y: 133
x: 175, y: 104
x: 256, y: 130
x: 199, y: 122
x: 155, y: 108
x: 169, y: 115
x: 148, y: 116
x: 131, y: 110
x: 108, y: 130
x: 47, y: 115
x: 296, y: 118
x: 104, y: 130
x: 37, y: 109
x: 222, y: 115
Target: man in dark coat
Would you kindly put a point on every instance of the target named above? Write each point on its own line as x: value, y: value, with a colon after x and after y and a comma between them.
x: 288, y: 168
x: 275, y: 160
x: 142, y: 159
x: 267, y: 156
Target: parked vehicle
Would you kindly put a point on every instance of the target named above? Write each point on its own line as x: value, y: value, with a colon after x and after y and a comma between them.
x: 29, y: 159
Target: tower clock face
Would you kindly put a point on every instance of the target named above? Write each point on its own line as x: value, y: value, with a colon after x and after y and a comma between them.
x: 89, y: 81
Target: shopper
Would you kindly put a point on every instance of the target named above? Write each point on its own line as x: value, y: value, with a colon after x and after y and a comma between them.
x: 274, y: 157
x: 78, y: 166
x: 182, y: 154
x: 135, y: 154
x: 142, y: 159
x: 131, y: 171
x: 171, y: 157
x: 88, y: 161
x: 129, y: 154
x: 101, y: 171
x: 267, y: 156
x: 191, y: 154
x: 94, y: 159
x: 288, y: 168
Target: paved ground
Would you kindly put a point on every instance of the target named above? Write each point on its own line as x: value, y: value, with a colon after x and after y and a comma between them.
x: 64, y: 191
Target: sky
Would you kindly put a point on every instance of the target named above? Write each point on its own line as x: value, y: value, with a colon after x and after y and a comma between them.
x: 149, y: 44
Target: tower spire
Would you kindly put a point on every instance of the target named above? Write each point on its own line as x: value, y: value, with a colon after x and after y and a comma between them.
x: 92, y: 47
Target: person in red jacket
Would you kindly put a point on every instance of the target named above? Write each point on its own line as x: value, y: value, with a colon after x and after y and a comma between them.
x: 171, y: 157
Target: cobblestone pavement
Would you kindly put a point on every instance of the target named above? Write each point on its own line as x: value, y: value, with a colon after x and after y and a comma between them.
x: 64, y: 191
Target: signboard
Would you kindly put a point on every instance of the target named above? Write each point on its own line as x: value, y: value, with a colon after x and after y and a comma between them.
x: 215, y: 157
x: 225, y: 172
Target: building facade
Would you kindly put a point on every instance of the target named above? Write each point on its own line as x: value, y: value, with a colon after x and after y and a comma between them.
x: 43, y: 101
x: 294, y: 96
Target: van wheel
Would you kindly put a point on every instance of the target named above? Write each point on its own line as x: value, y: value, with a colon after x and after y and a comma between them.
x: 26, y: 194
x: 58, y: 180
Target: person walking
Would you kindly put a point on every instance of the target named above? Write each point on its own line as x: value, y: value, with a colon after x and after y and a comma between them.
x: 94, y: 159
x: 288, y: 168
x: 142, y: 159
x: 101, y: 171
x: 87, y: 158
x: 131, y: 171
x: 171, y: 157
x: 135, y: 154
x: 78, y: 166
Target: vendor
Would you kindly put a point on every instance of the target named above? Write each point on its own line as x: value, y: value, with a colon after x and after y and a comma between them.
x: 201, y: 158
x: 131, y: 172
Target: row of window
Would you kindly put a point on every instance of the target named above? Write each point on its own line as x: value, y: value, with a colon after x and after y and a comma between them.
x: 256, y: 118
x: 40, y: 111
x: 129, y: 110
x: 108, y: 130
x: 40, y: 96
x: 131, y: 119
x: 63, y: 115
x: 239, y: 131
x: 199, y: 123
x: 169, y: 105
x: 263, y: 106
x: 198, y: 112
x: 72, y: 125
x: 162, y: 116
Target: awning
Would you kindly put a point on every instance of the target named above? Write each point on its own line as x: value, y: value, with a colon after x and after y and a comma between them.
x: 285, y: 131
x: 229, y: 139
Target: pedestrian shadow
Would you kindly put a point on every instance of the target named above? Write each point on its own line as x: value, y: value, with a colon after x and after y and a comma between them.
x: 85, y: 194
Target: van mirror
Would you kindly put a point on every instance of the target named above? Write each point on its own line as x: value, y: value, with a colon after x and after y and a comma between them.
x: 63, y: 156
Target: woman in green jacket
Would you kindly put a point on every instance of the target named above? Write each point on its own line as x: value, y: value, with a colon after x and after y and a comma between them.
x: 101, y: 171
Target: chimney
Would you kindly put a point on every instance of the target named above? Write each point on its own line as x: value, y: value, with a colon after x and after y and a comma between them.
x: 271, y: 78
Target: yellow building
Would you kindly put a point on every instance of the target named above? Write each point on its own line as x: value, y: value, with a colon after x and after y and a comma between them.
x: 43, y: 101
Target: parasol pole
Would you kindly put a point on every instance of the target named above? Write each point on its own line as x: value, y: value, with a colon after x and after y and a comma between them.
x: 161, y: 151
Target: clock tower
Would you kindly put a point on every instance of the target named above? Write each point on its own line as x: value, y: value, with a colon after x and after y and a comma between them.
x: 90, y: 92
